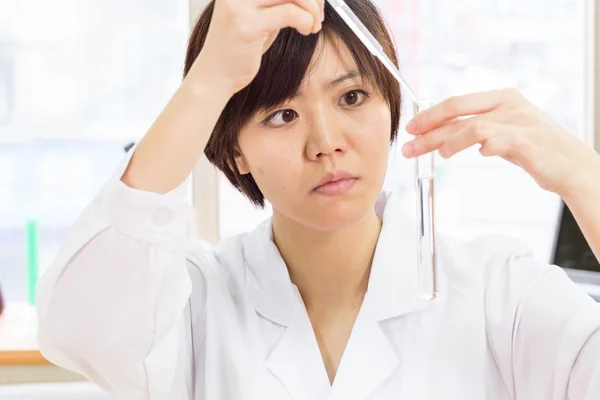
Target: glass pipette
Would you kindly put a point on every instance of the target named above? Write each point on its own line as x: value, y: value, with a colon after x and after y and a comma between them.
x: 424, y: 178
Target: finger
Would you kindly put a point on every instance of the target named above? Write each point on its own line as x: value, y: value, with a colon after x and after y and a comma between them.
x: 288, y: 15
x: 432, y: 140
x: 476, y: 130
x: 312, y: 6
x: 497, y: 146
x: 321, y: 4
x: 454, y: 107
x: 512, y: 147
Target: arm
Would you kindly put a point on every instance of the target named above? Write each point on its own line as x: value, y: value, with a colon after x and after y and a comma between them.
x: 543, y: 330
x: 505, y: 124
x: 111, y: 307
x: 583, y: 199
x: 556, y: 344
x: 176, y: 140
x: 168, y: 152
x: 585, y: 375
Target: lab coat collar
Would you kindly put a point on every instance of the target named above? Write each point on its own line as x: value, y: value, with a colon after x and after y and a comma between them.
x: 268, y: 282
x: 369, y: 359
x: 393, y: 283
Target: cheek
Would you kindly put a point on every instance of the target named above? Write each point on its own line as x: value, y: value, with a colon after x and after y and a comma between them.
x: 275, y: 164
x: 375, y: 138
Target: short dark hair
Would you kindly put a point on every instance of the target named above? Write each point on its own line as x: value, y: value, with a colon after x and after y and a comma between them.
x: 280, y: 76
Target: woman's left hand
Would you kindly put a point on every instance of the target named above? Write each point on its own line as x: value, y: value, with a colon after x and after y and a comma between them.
x: 507, y: 125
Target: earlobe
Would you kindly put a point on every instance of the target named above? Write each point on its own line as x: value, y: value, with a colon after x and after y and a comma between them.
x: 242, y: 164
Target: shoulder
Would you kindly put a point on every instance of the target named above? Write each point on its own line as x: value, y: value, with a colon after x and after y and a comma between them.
x: 486, y: 249
x: 225, y: 260
x: 501, y: 266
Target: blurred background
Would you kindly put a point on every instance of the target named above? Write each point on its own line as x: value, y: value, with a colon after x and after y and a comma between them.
x: 82, y: 79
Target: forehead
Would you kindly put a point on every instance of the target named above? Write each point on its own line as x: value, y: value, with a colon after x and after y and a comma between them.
x: 331, y: 59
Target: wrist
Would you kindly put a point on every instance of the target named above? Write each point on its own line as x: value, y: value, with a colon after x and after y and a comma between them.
x: 584, y: 182
x: 205, y: 80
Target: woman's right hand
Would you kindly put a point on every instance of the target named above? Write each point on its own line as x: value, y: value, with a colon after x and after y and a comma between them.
x: 241, y: 31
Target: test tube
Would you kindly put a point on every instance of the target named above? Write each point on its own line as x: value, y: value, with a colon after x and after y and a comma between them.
x: 424, y: 178
x: 424, y: 167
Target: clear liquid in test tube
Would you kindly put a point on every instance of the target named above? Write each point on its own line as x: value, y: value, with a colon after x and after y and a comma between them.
x: 425, y: 218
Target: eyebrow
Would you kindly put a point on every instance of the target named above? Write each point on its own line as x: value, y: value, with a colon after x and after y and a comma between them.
x: 348, y: 75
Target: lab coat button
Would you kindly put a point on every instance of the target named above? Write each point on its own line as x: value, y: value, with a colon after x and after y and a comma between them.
x: 162, y: 216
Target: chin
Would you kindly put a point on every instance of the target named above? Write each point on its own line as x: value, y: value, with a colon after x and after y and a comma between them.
x: 339, y: 215
x: 329, y: 213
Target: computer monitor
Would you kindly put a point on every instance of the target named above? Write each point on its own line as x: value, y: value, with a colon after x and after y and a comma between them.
x: 572, y: 253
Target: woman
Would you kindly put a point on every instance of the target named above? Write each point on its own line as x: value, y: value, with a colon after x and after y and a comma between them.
x: 319, y: 302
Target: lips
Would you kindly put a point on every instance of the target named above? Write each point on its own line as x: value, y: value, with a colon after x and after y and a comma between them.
x: 335, y: 183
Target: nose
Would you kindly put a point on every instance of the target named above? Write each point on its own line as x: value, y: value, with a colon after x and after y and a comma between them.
x: 325, y: 138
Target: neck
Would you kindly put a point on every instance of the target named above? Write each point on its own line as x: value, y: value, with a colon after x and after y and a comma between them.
x: 330, y: 269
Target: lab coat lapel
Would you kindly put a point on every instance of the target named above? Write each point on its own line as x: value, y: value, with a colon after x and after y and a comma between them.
x: 296, y: 359
x: 368, y: 361
x: 369, y: 358
x: 394, y: 282
x: 268, y: 282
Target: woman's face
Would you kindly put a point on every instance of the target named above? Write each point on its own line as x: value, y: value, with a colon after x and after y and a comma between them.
x: 337, y: 128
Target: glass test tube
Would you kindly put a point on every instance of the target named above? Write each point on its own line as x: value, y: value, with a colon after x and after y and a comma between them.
x: 425, y: 218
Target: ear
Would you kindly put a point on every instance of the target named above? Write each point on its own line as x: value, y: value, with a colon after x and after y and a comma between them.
x: 241, y: 163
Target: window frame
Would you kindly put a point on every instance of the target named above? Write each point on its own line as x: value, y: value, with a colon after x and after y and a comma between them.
x: 593, y: 73
x: 204, y: 179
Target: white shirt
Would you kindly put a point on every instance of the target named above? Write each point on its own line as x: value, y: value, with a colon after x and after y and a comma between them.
x: 146, y: 314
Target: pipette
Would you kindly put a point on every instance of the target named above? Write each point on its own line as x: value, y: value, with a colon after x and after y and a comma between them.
x: 424, y: 176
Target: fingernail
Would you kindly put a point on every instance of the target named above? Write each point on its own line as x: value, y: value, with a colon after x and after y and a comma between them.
x: 411, y: 127
x: 408, y: 149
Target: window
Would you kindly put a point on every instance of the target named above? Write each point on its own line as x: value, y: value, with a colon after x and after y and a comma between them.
x: 79, y: 80
x: 236, y: 213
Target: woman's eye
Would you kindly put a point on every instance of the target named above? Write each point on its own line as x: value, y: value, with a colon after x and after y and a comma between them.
x: 353, y: 98
x: 282, y: 117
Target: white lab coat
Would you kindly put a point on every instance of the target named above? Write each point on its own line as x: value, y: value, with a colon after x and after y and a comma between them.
x: 133, y: 306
